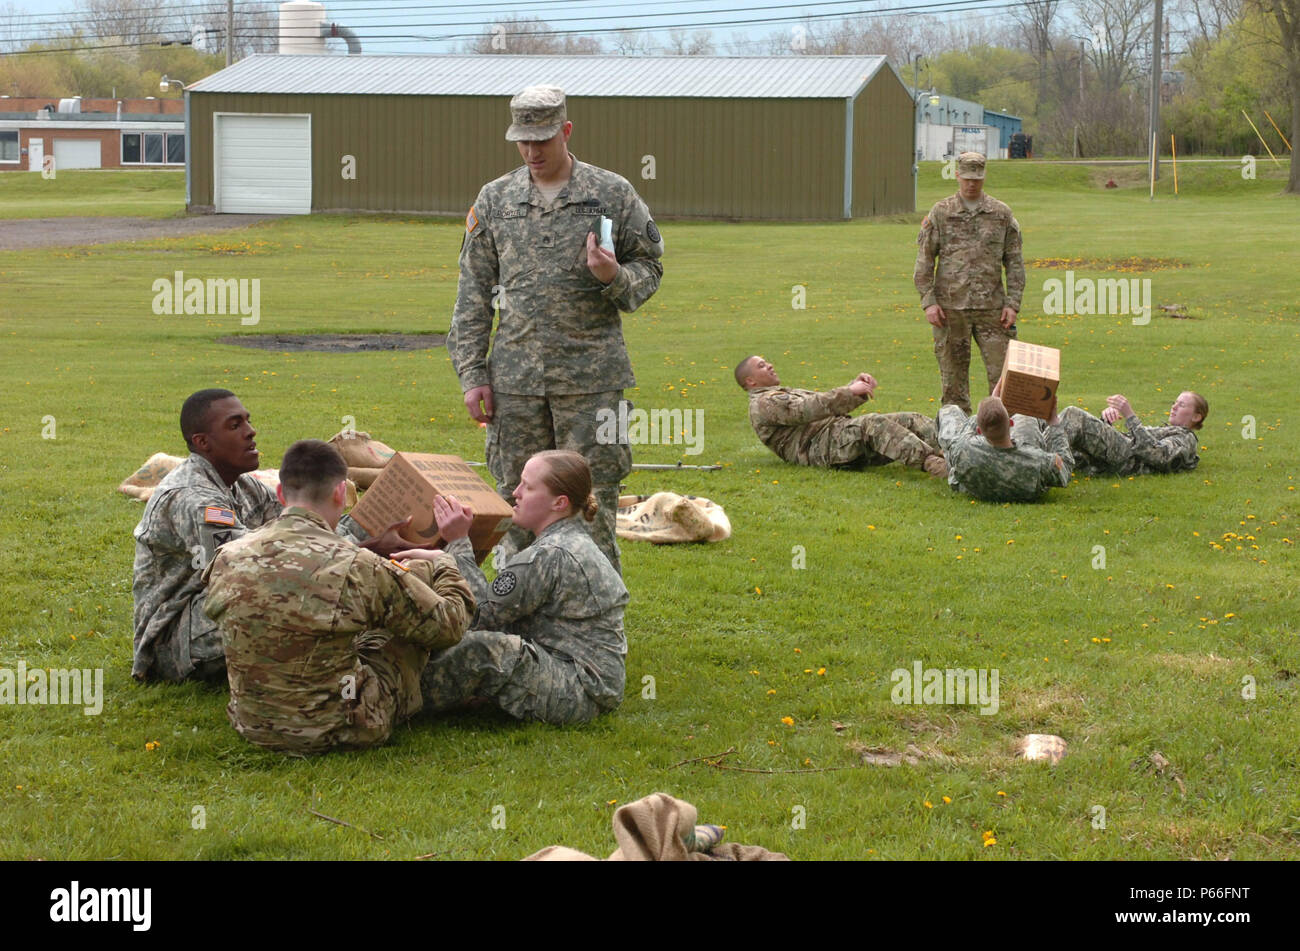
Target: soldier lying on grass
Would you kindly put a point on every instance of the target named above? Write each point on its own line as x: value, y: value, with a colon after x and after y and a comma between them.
x: 1099, y: 447
x: 998, y: 458
x: 813, y: 428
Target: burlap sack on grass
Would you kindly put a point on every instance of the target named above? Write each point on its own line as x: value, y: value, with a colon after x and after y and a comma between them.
x: 666, y: 518
x: 660, y: 828
x: 140, y: 484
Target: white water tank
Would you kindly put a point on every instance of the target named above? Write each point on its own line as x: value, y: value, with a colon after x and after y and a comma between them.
x: 300, y: 23
x: 70, y: 105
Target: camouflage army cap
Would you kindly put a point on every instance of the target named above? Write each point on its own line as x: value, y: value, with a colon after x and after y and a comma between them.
x: 538, y: 113
x: 970, y: 165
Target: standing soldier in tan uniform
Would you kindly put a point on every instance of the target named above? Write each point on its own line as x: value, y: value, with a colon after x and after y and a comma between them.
x: 974, y: 237
x: 325, y: 641
x: 811, y: 428
x: 558, y: 359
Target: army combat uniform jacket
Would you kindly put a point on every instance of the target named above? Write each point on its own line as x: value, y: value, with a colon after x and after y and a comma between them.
x: 973, y: 248
x: 560, y: 594
x: 800, y: 425
x: 1019, y: 473
x: 292, y: 600
x: 559, y: 331
x: 189, y: 516
x: 1099, y: 447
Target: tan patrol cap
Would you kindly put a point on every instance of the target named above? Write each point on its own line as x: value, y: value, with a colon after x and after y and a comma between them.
x: 970, y: 165
x: 538, y: 113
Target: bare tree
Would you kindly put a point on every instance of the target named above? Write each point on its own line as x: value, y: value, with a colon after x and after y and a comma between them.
x: 529, y: 35
x: 1118, y: 32
x: 681, y: 43
x: 631, y: 43
x: 131, y: 21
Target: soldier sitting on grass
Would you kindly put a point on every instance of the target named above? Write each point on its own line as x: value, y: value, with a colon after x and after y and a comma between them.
x: 998, y: 458
x: 325, y: 641
x: 811, y: 428
x: 1099, y: 447
x: 548, y: 639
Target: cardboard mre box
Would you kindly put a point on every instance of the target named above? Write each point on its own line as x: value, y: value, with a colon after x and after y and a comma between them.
x: 1029, y: 378
x: 408, y: 486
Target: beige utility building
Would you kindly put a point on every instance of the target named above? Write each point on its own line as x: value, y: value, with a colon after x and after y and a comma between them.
x: 785, y: 137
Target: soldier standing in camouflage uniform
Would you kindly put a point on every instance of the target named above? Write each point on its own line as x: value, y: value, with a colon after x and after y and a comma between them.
x: 810, y: 428
x: 548, y: 641
x: 1098, y: 447
x: 205, y: 502
x: 985, y: 461
x: 558, y: 358
x: 974, y: 237
x: 325, y: 641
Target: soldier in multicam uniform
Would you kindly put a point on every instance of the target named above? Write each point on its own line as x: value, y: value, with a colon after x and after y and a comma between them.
x: 325, y: 641
x: 997, y: 458
x: 1098, y: 447
x: 974, y: 237
x: 547, y: 642
x: 813, y: 428
x: 205, y: 502
x: 558, y: 358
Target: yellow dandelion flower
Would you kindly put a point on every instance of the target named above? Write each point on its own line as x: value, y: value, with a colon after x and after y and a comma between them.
x: 928, y: 804
x: 788, y: 721
x: 988, y: 842
x: 1001, y: 793
x: 821, y: 671
x: 771, y: 693
x: 947, y: 800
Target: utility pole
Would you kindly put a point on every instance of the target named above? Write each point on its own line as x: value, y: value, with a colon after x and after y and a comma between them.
x: 230, y: 31
x: 1154, y: 130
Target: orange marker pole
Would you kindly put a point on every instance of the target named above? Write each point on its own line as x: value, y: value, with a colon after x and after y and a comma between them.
x: 1279, y: 131
x: 1174, y: 149
x: 1261, y: 140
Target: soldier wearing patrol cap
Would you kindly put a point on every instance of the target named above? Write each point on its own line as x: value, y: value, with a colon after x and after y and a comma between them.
x: 975, y: 238
x: 532, y: 248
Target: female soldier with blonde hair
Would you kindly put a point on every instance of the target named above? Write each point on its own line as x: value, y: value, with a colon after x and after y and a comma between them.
x: 546, y: 642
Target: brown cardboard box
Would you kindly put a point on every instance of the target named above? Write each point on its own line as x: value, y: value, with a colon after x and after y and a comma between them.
x: 1029, y: 378
x: 408, y: 485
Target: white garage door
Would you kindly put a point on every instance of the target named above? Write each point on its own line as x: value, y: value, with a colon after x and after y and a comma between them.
x: 262, y: 164
x: 76, y: 153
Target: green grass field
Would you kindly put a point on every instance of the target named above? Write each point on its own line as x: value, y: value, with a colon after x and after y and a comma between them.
x: 1146, y: 654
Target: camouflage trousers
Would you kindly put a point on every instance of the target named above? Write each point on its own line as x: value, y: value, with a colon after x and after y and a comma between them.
x: 524, y: 425
x: 193, y: 650
x: 952, y: 348
x: 520, y: 677
x: 388, y: 689
x: 1096, y: 445
x: 874, y: 439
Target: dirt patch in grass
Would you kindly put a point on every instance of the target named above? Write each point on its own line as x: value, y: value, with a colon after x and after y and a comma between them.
x: 336, y: 343
x: 1198, y: 665
x: 1132, y: 264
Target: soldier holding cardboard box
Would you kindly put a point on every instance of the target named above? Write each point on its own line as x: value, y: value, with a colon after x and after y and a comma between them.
x: 974, y: 238
x: 997, y: 458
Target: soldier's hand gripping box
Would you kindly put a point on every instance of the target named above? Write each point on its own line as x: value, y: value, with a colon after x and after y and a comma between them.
x: 1030, y: 377
x: 408, y: 486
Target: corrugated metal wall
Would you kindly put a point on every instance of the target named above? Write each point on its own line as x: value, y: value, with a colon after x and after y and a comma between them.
x: 717, y: 158
x: 882, y: 148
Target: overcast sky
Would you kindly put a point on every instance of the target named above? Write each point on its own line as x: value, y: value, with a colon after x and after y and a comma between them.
x: 423, y: 26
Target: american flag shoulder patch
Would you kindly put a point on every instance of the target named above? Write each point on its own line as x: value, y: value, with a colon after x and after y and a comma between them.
x: 216, y: 515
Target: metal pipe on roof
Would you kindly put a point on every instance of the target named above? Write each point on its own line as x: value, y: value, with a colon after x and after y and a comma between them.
x: 344, y: 33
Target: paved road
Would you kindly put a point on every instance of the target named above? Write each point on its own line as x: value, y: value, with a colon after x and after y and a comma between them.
x: 62, y: 232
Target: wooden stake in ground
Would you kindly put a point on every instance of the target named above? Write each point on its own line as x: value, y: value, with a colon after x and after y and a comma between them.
x: 1173, y: 150
x: 1278, y: 131
x: 1261, y: 140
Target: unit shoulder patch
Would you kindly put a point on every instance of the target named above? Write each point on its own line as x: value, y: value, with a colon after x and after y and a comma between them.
x: 471, y: 220
x: 505, y: 583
